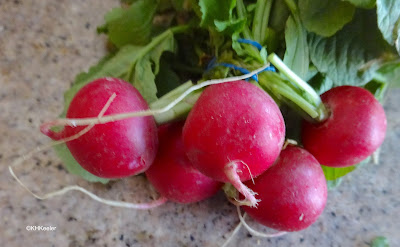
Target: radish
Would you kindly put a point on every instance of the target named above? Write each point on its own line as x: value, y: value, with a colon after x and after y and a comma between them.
x: 234, y: 132
x: 293, y: 192
x: 355, y: 127
x: 173, y: 175
x: 114, y: 149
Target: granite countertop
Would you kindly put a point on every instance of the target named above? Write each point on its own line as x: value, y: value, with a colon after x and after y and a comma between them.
x: 43, y: 45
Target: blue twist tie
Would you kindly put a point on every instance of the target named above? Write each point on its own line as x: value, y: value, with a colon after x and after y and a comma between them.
x: 270, y: 68
x: 242, y: 70
x: 251, y: 42
x: 213, y: 64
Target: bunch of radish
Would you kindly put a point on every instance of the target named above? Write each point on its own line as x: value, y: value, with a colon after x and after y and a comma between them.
x: 234, y: 134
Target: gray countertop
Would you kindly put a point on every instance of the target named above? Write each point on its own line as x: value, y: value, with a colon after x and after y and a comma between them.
x: 43, y: 45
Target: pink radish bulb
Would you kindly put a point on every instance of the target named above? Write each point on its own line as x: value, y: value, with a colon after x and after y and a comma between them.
x: 173, y: 175
x: 234, y: 131
x: 293, y: 192
x: 355, y: 128
x: 115, y: 149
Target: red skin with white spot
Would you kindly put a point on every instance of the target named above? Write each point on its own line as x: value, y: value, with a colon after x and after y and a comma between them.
x: 355, y: 128
x: 116, y: 149
x: 293, y: 192
x: 173, y: 175
x: 234, y: 121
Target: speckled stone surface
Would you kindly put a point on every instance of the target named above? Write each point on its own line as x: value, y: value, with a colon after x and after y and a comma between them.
x: 43, y: 45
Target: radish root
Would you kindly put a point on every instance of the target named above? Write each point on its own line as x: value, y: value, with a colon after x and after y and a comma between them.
x: 234, y: 179
x: 22, y: 158
x: 64, y: 190
x: 235, y: 231
x: 254, y: 232
x: 111, y: 118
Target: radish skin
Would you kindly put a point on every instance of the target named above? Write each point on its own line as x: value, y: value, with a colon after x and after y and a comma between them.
x: 234, y: 132
x: 293, y: 192
x: 116, y: 149
x: 173, y: 175
x: 355, y: 128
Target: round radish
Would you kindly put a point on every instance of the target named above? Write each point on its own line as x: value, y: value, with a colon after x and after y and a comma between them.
x: 173, y: 175
x: 235, y: 131
x: 293, y: 192
x: 354, y: 130
x: 115, y: 149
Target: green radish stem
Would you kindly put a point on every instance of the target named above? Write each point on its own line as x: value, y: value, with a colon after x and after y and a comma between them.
x: 241, y: 12
x: 318, y: 106
x: 181, y: 109
x: 261, y: 19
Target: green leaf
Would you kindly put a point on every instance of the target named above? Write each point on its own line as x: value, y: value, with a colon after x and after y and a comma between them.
x: 147, y: 68
x: 132, y: 25
x: 111, y: 66
x: 333, y: 173
x: 325, y: 17
x: 297, y: 54
x: 368, y: 4
x: 389, y: 21
x: 73, y: 167
x: 166, y: 79
x: 212, y: 10
x: 389, y: 73
x: 380, y: 241
x: 320, y: 83
x: 136, y: 64
x: 352, y: 55
x: 230, y: 27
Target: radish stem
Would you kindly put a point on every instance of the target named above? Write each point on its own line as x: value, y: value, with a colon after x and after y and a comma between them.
x: 322, y: 112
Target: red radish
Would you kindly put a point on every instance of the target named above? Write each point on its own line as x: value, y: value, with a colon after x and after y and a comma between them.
x: 354, y: 130
x: 234, y: 131
x: 293, y: 192
x: 115, y: 149
x: 173, y: 175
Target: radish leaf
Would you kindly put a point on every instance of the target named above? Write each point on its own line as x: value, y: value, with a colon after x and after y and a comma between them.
x: 389, y: 21
x: 325, y: 17
x: 132, y: 25
x: 368, y: 4
x: 352, y: 55
x: 73, y: 167
x: 297, y: 54
x: 333, y: 173
x: 131, y: 63
x: 212, y: 10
